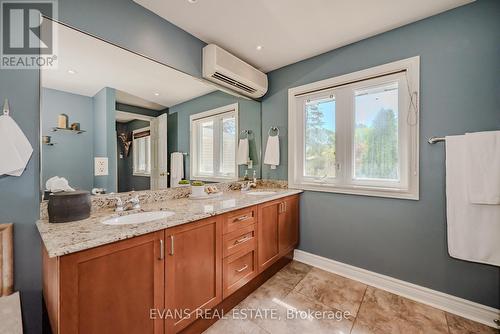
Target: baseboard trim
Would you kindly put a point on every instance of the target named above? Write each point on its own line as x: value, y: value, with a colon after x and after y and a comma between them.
x: 462, y: 307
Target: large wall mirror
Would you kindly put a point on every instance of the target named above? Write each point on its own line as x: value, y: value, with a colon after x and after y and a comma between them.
x: 114, y: 121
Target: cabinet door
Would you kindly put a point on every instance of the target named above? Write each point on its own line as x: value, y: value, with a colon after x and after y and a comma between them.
x: 112, y: 288
x: 289, y: 225
x: 193, y: 271
x: 268, y: 232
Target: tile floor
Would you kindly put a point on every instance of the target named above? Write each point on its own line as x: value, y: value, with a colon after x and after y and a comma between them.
x: 302, y: 288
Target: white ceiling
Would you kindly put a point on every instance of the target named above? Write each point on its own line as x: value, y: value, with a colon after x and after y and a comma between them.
x: 291, y: 30
x: 99, y: 64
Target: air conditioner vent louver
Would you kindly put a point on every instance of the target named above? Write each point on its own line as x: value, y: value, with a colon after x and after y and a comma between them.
x: 232, y: 82
x: 227, y: 70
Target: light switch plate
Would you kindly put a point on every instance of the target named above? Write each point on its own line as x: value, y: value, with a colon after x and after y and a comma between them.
x: 100, y: 166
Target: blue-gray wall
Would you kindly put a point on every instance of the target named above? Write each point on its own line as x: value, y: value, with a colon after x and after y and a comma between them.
x: 459, y: 92
x: 124, y: 23
x: 104, y: 103
x: 249, y: 118
x: 131, y: 26
x: 72, y: 155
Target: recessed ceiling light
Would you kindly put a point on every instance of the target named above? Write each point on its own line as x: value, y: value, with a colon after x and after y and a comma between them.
x: 71, y: 71
x: 157, y: 94
x: 192, y: 1
x: 258, y: 47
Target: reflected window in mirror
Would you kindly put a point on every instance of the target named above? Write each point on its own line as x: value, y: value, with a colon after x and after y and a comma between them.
x: 142, y: 152
x: 214, y: 143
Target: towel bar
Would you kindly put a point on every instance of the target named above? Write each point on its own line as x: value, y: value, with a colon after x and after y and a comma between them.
x: 434, y: 140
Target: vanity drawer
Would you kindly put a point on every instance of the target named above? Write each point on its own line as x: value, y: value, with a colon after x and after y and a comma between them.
x: 237, y: 240
x: 238, y: 269
x: 239, y: 219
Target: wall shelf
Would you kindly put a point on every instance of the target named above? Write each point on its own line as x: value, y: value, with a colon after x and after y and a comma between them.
x: 68, y: 130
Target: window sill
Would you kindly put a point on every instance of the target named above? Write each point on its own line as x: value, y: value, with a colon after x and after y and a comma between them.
x: 363, y: 191
x: 139, y: 174
x: 213, y: 179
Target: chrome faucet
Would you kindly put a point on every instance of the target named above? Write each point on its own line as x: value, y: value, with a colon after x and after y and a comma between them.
x: 135, y: 202
x: 119, y: 205
x: 249, y: 184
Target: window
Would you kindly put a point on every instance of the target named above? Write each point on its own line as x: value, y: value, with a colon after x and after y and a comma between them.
x: 213, y: 144
x: 141, y: 148
x: 357, y: 133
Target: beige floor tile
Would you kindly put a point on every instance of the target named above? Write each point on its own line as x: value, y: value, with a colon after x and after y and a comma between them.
x: 332, y: 290
x: 459, y: 325
x: 383, y: 312
x: 293, y: 273
x: 298, y: 314
x: 264, y: 295
x: 234, y: 326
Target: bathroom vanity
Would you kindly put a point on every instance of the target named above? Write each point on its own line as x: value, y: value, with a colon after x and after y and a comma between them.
x: 171, y: 279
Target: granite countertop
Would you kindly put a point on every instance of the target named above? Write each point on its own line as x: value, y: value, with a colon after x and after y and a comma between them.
x: 66, y: 238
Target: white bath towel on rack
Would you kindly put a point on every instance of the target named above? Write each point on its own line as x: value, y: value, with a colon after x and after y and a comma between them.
x: 243, y: 152
x: 483, y: 167
x: 176, y: 168
x: 473, y: 229
x: 15, y: 149
x: 272, y: 156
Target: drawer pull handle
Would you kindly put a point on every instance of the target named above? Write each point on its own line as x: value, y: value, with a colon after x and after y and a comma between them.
x: 242, y: 218
x: 239, y: 241
x: 241, y: 269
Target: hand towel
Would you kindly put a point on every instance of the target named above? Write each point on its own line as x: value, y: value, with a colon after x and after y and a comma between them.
x: 15, y: 149
x: 483, y: 167
x: 473, y: 229
x: 272, y: 156
x: 57, y: 184
x: 176, y: 168
x: 243, y: 152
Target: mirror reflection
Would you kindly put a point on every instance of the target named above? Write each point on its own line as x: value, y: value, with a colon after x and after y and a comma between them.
x: 115, y: 121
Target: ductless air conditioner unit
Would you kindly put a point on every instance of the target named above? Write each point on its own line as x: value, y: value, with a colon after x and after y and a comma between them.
x: 227, y: 70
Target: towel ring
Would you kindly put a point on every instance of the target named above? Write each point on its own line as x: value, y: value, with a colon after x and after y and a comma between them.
x: 273, y: 128
x: 245, y: 133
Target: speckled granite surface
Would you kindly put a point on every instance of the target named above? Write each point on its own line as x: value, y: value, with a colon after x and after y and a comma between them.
x: 65, y: 238
x: 108, y: 201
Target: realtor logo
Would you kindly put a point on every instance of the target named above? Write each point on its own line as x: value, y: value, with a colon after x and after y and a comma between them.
x: 27, y: 35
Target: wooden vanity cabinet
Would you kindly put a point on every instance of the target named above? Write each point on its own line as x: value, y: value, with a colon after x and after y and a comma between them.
x: 163, y: 281
x: 278, y: 229
x: 193, y: 271
x: 268, y: 233
x: 107, y: 289
x: 288, y: 233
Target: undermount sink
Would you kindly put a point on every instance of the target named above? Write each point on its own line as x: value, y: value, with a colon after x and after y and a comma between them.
x: 261, y: 193
x: 137, y: 218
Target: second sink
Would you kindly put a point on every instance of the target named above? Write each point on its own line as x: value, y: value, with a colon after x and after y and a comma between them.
x: 137, y: 218
x: 261, y: 193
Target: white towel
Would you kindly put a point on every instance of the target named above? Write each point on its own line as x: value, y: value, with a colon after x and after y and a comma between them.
x: 176, y: 168
x: 15, y: 149
x: 272, y: 156
x: 473, y: 229
x: 57, y: 184
x: 243, y: 152
x: 483, y: 167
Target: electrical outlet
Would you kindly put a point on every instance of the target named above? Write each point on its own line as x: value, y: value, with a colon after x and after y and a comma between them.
x: 100, y: 166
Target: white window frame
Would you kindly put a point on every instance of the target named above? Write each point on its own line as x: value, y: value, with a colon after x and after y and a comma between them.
x: 406, y: 72
x: 193, y: 165
x: 135, y: 152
